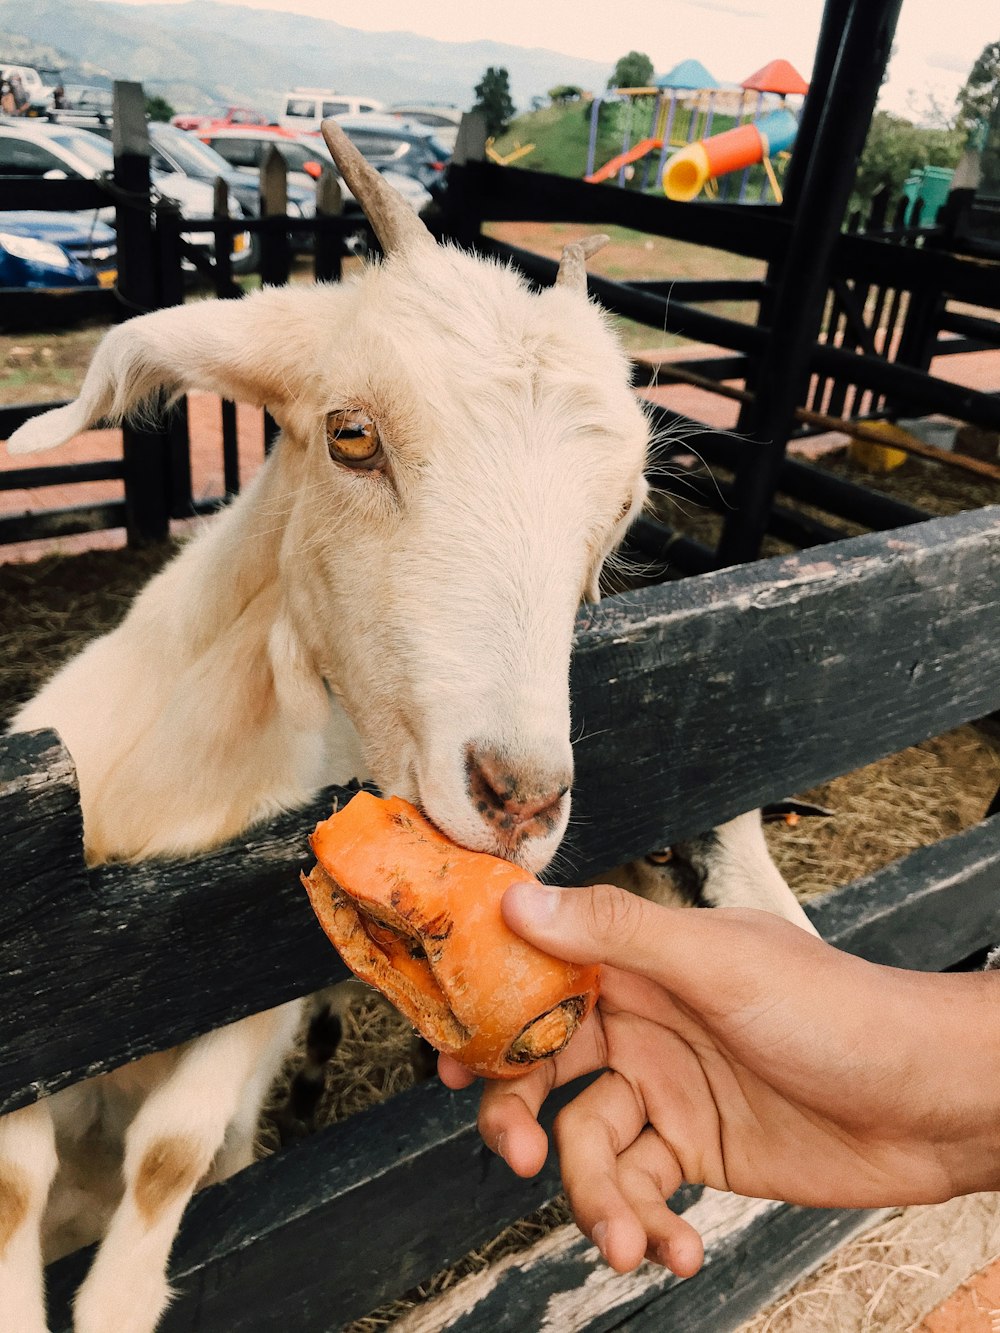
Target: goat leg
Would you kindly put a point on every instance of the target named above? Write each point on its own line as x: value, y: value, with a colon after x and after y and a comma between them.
x: 27, y: 1168
x: 181, y: 1129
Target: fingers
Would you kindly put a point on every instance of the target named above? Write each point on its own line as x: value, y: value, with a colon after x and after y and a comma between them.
x: 648, y: 1174
x: 508, y: 1114
x: 591, y: 1133
x: 452, y: 1074
x: 508, y: 1124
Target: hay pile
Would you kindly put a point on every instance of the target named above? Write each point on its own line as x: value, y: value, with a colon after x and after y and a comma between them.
x: 888, y: 1279
x: 928, y: 486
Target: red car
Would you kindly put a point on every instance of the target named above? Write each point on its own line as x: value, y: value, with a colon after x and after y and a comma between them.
x: 219, y: 119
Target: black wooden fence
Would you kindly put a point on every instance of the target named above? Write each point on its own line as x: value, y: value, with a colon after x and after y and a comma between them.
x: 157, y: 264
x: 847, y: 319
x: 887, y: 641
x: 703, y: 698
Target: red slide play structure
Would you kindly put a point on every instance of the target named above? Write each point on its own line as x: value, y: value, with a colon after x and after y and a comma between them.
x: 609, y: 169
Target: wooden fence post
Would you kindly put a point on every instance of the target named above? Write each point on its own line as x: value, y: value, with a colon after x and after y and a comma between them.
x: 275, y: 250
x: 226, y: 289
x: 461, y: 209
x: 328, y: 261
x: 145, y: 453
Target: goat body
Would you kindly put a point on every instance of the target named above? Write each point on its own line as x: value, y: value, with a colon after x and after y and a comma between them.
x: 393, y: 597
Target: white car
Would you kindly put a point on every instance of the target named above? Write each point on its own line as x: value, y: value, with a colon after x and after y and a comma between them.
x: 304, y: 108
x: 443, y: 118
x: 35, y: 149
x: 35, y: 87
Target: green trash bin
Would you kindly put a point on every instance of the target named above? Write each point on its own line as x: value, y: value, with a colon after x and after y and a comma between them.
x: 930, y: 185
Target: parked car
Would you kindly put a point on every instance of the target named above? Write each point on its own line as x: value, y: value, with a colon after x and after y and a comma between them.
x: 176, y: 150
x: 81, y: 97
x: 54, y: 264
x: 305, y: 156
x: 36, y: 90
x: 217, y: 118
x: 402, y: 146
x: 443, y: 118
x: 35, y: 149
x: 304, y: 108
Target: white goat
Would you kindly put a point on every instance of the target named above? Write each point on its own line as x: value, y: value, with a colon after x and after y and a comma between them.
x: 393, y: 597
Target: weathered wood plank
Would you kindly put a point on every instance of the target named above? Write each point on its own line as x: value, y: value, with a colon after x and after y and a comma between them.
x: 754, y: 1250
x: 322, y: 1232
x: 413, y: 1174
x: 704, y: 698
x: 712, y: 695
x: 97, y: 955
x: 929, y: 910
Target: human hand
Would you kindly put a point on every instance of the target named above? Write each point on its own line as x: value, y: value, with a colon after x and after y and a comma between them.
x: 743, y: 1053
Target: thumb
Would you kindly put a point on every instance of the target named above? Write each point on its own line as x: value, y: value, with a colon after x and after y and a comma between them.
x: 710, y: 958
x: 601, y: 924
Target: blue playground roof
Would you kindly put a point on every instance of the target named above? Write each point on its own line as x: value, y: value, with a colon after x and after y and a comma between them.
x: 688, y: 74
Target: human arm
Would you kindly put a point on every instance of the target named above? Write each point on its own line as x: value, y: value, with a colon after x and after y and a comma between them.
x: 742, y: 1053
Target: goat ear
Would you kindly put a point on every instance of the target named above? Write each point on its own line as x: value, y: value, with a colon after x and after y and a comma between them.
x: 254, y: 351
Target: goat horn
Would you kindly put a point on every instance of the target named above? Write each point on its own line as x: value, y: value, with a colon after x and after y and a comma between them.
x: 572, y: 266
x: 396, y: 224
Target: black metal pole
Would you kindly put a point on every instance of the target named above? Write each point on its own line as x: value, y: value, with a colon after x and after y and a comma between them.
x: 800, y: 285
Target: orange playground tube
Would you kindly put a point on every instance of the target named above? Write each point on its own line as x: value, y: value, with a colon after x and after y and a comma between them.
x: 687, y: 171
x: 611, y: 168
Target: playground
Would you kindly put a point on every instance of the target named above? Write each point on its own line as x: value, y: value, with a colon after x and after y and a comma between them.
x: 687, y: 133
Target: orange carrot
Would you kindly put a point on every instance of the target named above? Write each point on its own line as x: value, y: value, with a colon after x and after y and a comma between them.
x: 419, y: 918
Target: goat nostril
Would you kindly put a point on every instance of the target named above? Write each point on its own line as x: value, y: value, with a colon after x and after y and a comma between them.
x: 511, y: 795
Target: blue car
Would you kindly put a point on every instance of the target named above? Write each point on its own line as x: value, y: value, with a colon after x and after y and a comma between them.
x: 54, y: 263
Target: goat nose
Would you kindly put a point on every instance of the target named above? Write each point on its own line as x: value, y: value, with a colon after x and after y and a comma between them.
x: 512, y: 795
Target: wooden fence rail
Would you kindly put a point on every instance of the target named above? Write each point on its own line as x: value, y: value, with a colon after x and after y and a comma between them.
x: 699, y: 699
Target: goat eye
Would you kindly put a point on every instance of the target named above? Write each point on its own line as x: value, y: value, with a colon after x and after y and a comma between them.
x: 352, y: 438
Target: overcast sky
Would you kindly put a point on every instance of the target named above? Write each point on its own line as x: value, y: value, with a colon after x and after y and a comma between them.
x: 936, y: 42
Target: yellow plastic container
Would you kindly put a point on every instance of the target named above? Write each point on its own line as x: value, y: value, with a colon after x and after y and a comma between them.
x: 879, y: 457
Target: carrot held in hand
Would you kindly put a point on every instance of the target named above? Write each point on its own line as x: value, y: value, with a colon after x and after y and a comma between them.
x: 418, y: 918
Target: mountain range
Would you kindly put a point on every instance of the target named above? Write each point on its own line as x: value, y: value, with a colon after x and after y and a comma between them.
x: 203, y: 51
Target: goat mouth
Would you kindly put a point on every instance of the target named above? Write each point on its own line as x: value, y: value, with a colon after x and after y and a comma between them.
x: 509, y: 846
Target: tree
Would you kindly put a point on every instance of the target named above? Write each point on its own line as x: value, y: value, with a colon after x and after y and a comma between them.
x: 978, y: 98
x: 565, y: 92
x: 632, y: 71
x: 494, y: 101
x: 158, y: 108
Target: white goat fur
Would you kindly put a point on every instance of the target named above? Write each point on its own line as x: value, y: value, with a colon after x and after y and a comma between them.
x: 330, y: 624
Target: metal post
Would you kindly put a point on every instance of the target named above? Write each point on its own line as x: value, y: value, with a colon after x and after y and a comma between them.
x: 800, y: 285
